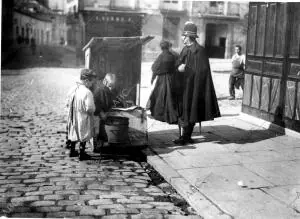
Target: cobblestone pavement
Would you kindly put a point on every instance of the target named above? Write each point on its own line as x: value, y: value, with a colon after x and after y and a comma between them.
x: 37, y: 177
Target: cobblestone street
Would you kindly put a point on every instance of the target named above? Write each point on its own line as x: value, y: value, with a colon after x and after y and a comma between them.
x: 143, y: 109
x: 37, y: 177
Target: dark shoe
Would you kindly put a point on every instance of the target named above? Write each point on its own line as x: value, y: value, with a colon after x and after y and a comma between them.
x: 84, y: 156
x: 189, y: 140
x: 231, y: 98
x: 179, y: 141
x: 97, y: 150
x: 68, y: 144
x: 98, y: 146
x: 74, y: 154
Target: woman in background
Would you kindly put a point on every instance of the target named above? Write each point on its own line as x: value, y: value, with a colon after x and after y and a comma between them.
x: 161, y: 101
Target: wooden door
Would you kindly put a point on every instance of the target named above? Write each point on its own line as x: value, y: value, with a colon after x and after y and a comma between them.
x: 292, y: 92
x: 271, y: 81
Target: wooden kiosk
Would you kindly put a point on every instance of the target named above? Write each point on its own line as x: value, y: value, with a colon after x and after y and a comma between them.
x: 119, y: 55
x: 122, y: 56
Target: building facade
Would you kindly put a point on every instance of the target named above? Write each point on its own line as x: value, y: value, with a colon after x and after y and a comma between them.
x: 152, y: 25
x: 71, y: 6
x: 59, y: 29
x: 221, y: 25
x: 7, y: 26
x: 57, y: 6
x: 101, y: 18
x: 27, y: 26
x: 35, y: 19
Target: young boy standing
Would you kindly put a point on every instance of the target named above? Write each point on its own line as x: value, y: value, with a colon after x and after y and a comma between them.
x: 81, y: 110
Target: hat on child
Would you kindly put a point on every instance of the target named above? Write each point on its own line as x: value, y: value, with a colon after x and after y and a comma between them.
x: 87, y: 74
x: 190, y: 29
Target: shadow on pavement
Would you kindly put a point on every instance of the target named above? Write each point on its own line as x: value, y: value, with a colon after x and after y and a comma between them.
x: 219, y: 134
x: 117, y: 153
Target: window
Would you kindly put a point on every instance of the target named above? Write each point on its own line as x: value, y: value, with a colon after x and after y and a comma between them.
x: 213, y: 4
x: 27, y: 32
x: 216, y: 7
x: 220, y: 7
x: 38, y: 35
x: 17, y: 31
x: 171, y: 1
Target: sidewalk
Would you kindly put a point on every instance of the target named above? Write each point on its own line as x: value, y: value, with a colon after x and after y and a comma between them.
x: 235, y: 169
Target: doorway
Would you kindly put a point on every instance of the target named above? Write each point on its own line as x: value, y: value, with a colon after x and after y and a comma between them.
x: 222, y: 42
x: 215, y: 41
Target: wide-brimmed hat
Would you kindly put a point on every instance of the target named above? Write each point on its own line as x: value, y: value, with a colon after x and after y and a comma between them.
x: 190, y: 29
x: 87, y: 74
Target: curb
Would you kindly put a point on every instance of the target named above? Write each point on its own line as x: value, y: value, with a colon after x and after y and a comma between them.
x: 191, y: 194
x: 221, y: 71
x: 268, y: 125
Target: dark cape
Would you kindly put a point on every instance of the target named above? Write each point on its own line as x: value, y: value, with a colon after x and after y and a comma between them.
x: 198, y: 101
x: 161, y: 101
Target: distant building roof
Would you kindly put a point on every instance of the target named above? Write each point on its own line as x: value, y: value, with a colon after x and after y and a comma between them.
x: 34, y: 8
x: 38, y: 16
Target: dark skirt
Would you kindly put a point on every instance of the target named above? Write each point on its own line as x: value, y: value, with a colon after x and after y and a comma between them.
x: 161, y: 101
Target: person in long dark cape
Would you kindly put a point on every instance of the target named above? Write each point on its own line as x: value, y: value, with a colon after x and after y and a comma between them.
x: 198, y: 101
x: 161, y: 101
